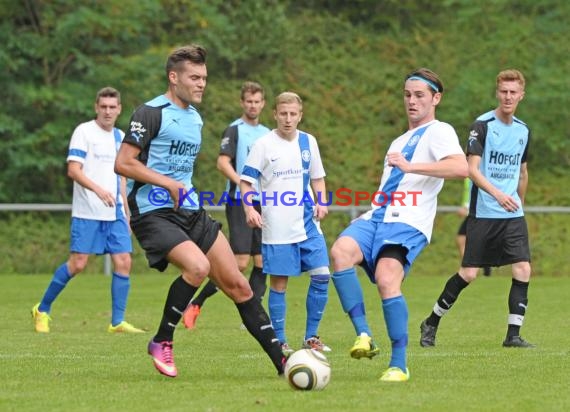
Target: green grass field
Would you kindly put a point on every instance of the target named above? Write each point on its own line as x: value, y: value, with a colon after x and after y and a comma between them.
x: 80, y: 367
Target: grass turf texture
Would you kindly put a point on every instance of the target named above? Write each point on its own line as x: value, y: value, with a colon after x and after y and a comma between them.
x: 80, y: 367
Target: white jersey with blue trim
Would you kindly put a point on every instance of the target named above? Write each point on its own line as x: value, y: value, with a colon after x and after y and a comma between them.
x: 96, y: 150
x: 408, y: 197
x: 278, y: 167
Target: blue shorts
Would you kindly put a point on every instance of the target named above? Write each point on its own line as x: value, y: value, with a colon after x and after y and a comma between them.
x: 372, y: 237
x: 295, y: 258
x: 97, y: 237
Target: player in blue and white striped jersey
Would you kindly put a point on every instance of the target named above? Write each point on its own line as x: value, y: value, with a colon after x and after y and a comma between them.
x: 286, y: 164
x: 386, y: 240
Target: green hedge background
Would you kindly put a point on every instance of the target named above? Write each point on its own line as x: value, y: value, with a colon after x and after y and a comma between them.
x: 347, y: 60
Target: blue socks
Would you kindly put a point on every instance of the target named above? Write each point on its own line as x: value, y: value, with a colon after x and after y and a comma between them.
x: 351, y: 298
x: 120, y: 285
x: 317, y: 297
x: 396, y: 318
x: 58, y: 282
x: 277, y: 310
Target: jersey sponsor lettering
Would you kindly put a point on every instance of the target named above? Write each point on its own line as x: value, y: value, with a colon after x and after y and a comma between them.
x: 504, y: 158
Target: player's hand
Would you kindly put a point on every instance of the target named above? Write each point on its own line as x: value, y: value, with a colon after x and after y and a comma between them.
x: 253, y: 218
x: 508, y: 202
x: 175, y: 189
x: 397, y: 159
x: 320, y: 212
x: 107, y: 198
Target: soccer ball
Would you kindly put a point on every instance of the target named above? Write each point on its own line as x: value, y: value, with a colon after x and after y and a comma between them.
x: 308, y: 369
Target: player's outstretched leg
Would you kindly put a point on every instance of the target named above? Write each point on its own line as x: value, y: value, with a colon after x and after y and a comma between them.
x: 259, y: 326
x: 258, y: 282
x: 160, y: 347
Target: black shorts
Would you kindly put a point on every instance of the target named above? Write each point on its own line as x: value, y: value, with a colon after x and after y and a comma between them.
x: 244, y: 240
x: 159, y: 231
x: 462, y: 231
x: 496, y: 242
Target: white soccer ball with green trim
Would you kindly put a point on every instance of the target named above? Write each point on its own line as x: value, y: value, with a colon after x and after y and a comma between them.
x: 307, y: 369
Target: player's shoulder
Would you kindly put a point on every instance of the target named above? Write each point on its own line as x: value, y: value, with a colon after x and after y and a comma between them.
x: 236, y: 122
x: 158, y: 102
x: 231, y: 130
x: 267, y: 138
x: 86, y: 125
x: 518, y: 122
x: 265, y: 141
x: 438, y: 129
x: 85, y: 130
x: 442, y: 126
x: 152, y: 108
x: 485, y: 118
x: 264, y: 128
x: 311, y: 138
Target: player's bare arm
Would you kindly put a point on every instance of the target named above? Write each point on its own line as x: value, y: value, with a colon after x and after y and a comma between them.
x: 523, y: 182
x: 252, y: 216
x: 127, y: 164
x: 320, y: 191
x: 506, y: 201
x: 450, y: 167
x: 75, y: 172
x: 224, y: 165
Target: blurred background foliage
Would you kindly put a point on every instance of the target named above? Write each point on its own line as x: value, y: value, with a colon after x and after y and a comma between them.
x: 347, y: 60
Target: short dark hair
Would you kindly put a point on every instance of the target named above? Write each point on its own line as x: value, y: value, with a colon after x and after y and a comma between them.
x: 251, y: 87
x: 430, y: 77
x: 108, y: 92
x: 192, y: 53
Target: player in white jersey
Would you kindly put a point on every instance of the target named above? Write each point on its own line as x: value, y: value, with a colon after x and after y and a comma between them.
x: 286, y: 164
x: 99, y: 224
x: 386, y: 240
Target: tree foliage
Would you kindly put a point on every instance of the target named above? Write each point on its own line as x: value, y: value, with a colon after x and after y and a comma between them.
x: 346, y: 59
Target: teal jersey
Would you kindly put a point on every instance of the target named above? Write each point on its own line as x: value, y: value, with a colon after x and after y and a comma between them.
x: 503, y: 149
x: 169, y: 138
x: 237, y: 141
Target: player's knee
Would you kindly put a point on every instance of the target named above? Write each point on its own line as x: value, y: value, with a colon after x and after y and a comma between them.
x: 122, y: 263
x: 202, y: 269
x: 388, y: 288
x: 197, y: 272
x: 521, y: 271
x: 340, y: 257
x: 77, y: 265
x: 237, y: 288
x: 468, y: 274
